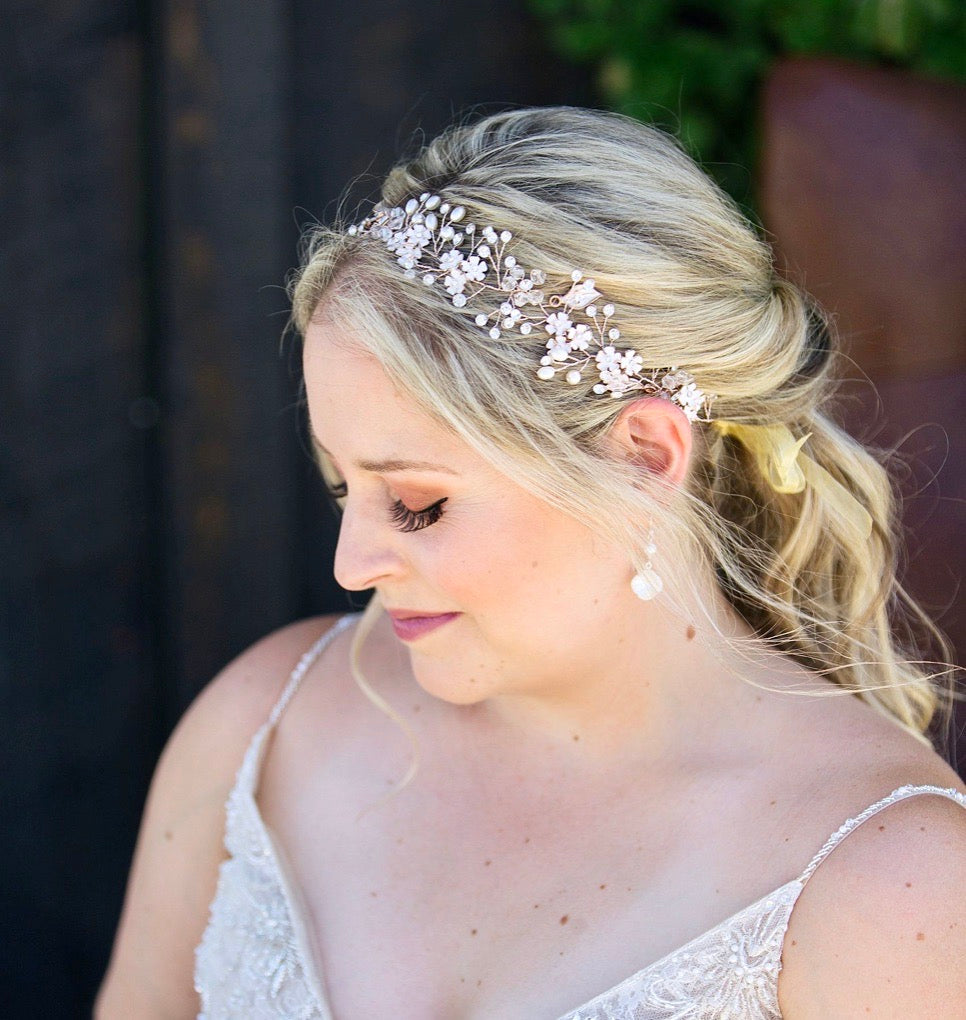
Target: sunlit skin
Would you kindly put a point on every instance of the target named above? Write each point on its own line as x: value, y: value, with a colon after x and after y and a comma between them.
x: 550, y: 636
x: 601, y: 779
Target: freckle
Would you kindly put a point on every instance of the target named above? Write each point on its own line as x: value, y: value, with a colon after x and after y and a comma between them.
x: 462, y: 981
x: 922, y: 828
x: 771, y: 803
x: 536, y: 906
x: 561, y: 952
x: 486, y: 864
x: 534, y: 563
x: 689, y: 632
x: 479, y: 983
x: 908, y: 885
x: 604, y: 885
x: 373, y: 893
x: 565, y: 919
x: 400, y: 841
x: 416, y: 708
x: 794, y: 942
x: 527, y: 840
x: 167, y: 834
x: 628, y: 888
x: 920, y: 936
x: 472, y: 931
x: 576, y: 737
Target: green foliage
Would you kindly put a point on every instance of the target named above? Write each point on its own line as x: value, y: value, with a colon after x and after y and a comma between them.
x: 694, y: 66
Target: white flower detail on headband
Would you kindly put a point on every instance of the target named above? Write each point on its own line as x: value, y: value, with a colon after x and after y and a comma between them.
x: 430, y: 242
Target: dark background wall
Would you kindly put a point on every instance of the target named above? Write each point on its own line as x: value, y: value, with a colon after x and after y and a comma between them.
x: 159, y: 509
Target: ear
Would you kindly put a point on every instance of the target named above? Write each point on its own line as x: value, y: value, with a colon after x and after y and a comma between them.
x: 656, y: 435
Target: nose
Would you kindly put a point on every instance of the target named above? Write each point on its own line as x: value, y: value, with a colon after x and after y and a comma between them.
x: 366, y: 552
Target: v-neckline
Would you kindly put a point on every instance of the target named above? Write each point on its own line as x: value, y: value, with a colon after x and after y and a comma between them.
x: 304, y: 931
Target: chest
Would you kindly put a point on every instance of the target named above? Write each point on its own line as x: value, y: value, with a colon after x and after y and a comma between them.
x: 460, y: 906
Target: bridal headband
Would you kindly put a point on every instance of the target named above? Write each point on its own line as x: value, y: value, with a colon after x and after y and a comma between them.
x: 432, y: 243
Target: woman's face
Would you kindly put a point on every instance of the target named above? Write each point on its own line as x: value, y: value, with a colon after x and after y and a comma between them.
x: 436, y: 530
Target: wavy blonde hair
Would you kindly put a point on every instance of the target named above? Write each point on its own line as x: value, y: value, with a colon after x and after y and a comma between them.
x: 694, y: 286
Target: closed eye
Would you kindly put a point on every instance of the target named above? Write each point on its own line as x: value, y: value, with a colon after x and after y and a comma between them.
x: 402, y: 517
x: 415, y: 520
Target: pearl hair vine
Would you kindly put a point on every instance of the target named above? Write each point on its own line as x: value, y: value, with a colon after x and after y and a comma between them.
x: 431, y: 243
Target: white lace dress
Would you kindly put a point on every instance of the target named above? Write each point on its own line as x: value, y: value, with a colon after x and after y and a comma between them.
x: 255, y: 960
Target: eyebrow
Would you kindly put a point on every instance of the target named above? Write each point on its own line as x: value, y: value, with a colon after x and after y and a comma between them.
x: 393, y: 464
x: 383, y: 467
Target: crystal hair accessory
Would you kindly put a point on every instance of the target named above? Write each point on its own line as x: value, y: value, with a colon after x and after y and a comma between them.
x: 431, y: 242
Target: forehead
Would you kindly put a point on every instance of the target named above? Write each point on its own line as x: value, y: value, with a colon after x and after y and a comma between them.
x: 353, y: 404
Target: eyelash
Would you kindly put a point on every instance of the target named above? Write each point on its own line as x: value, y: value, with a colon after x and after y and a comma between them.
x: 404, y: 518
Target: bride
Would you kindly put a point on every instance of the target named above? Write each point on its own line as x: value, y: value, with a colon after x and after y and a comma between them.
x: 631, y: 655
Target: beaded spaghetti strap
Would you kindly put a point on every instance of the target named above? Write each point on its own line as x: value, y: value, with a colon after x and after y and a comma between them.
x: 873, y: 809
x: 305, y: 664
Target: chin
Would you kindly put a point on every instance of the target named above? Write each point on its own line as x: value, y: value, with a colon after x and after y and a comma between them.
x: 455, y: 689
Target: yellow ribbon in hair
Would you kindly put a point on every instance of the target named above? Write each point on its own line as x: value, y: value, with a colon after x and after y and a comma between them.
x: 787, y: 470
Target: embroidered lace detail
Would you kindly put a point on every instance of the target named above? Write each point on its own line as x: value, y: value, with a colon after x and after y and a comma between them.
x: 728, y: 973
x: 255, y: 961
x: 248, y: 963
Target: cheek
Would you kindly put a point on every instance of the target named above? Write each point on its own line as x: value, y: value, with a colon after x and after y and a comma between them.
x: 521, y: 557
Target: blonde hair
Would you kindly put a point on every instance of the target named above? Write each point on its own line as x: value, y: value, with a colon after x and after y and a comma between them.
x: 694, y: 286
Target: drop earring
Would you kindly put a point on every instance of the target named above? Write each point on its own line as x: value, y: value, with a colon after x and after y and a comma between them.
x: 646, y: 583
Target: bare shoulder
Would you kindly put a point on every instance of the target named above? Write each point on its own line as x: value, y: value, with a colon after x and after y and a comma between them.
x: 180, y: 843
x: 239, y: 699
x: 880, y: 928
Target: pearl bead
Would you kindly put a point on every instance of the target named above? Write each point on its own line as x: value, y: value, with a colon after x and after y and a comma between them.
x: 646, y: 584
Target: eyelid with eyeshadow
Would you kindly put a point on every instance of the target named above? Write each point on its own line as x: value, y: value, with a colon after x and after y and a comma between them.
x: 402, y: 517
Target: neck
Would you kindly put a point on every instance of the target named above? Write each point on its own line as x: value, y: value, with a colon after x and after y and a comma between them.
x: 664, y: 687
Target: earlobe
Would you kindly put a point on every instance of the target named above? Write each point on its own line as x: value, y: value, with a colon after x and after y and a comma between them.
x: 655, y: 434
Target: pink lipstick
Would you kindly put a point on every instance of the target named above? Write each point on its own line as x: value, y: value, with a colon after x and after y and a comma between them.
x: 409, y: 626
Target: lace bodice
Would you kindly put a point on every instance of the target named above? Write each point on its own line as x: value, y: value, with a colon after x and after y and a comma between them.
x: 256, y: 959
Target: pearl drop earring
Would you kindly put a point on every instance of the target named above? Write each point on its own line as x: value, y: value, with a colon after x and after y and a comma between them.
x: 646, y: 583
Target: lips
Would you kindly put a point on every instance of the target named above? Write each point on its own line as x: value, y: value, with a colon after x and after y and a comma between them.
x: 410, y: 625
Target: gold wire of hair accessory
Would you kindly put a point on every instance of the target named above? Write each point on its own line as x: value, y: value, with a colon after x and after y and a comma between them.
x: 431, y: 242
